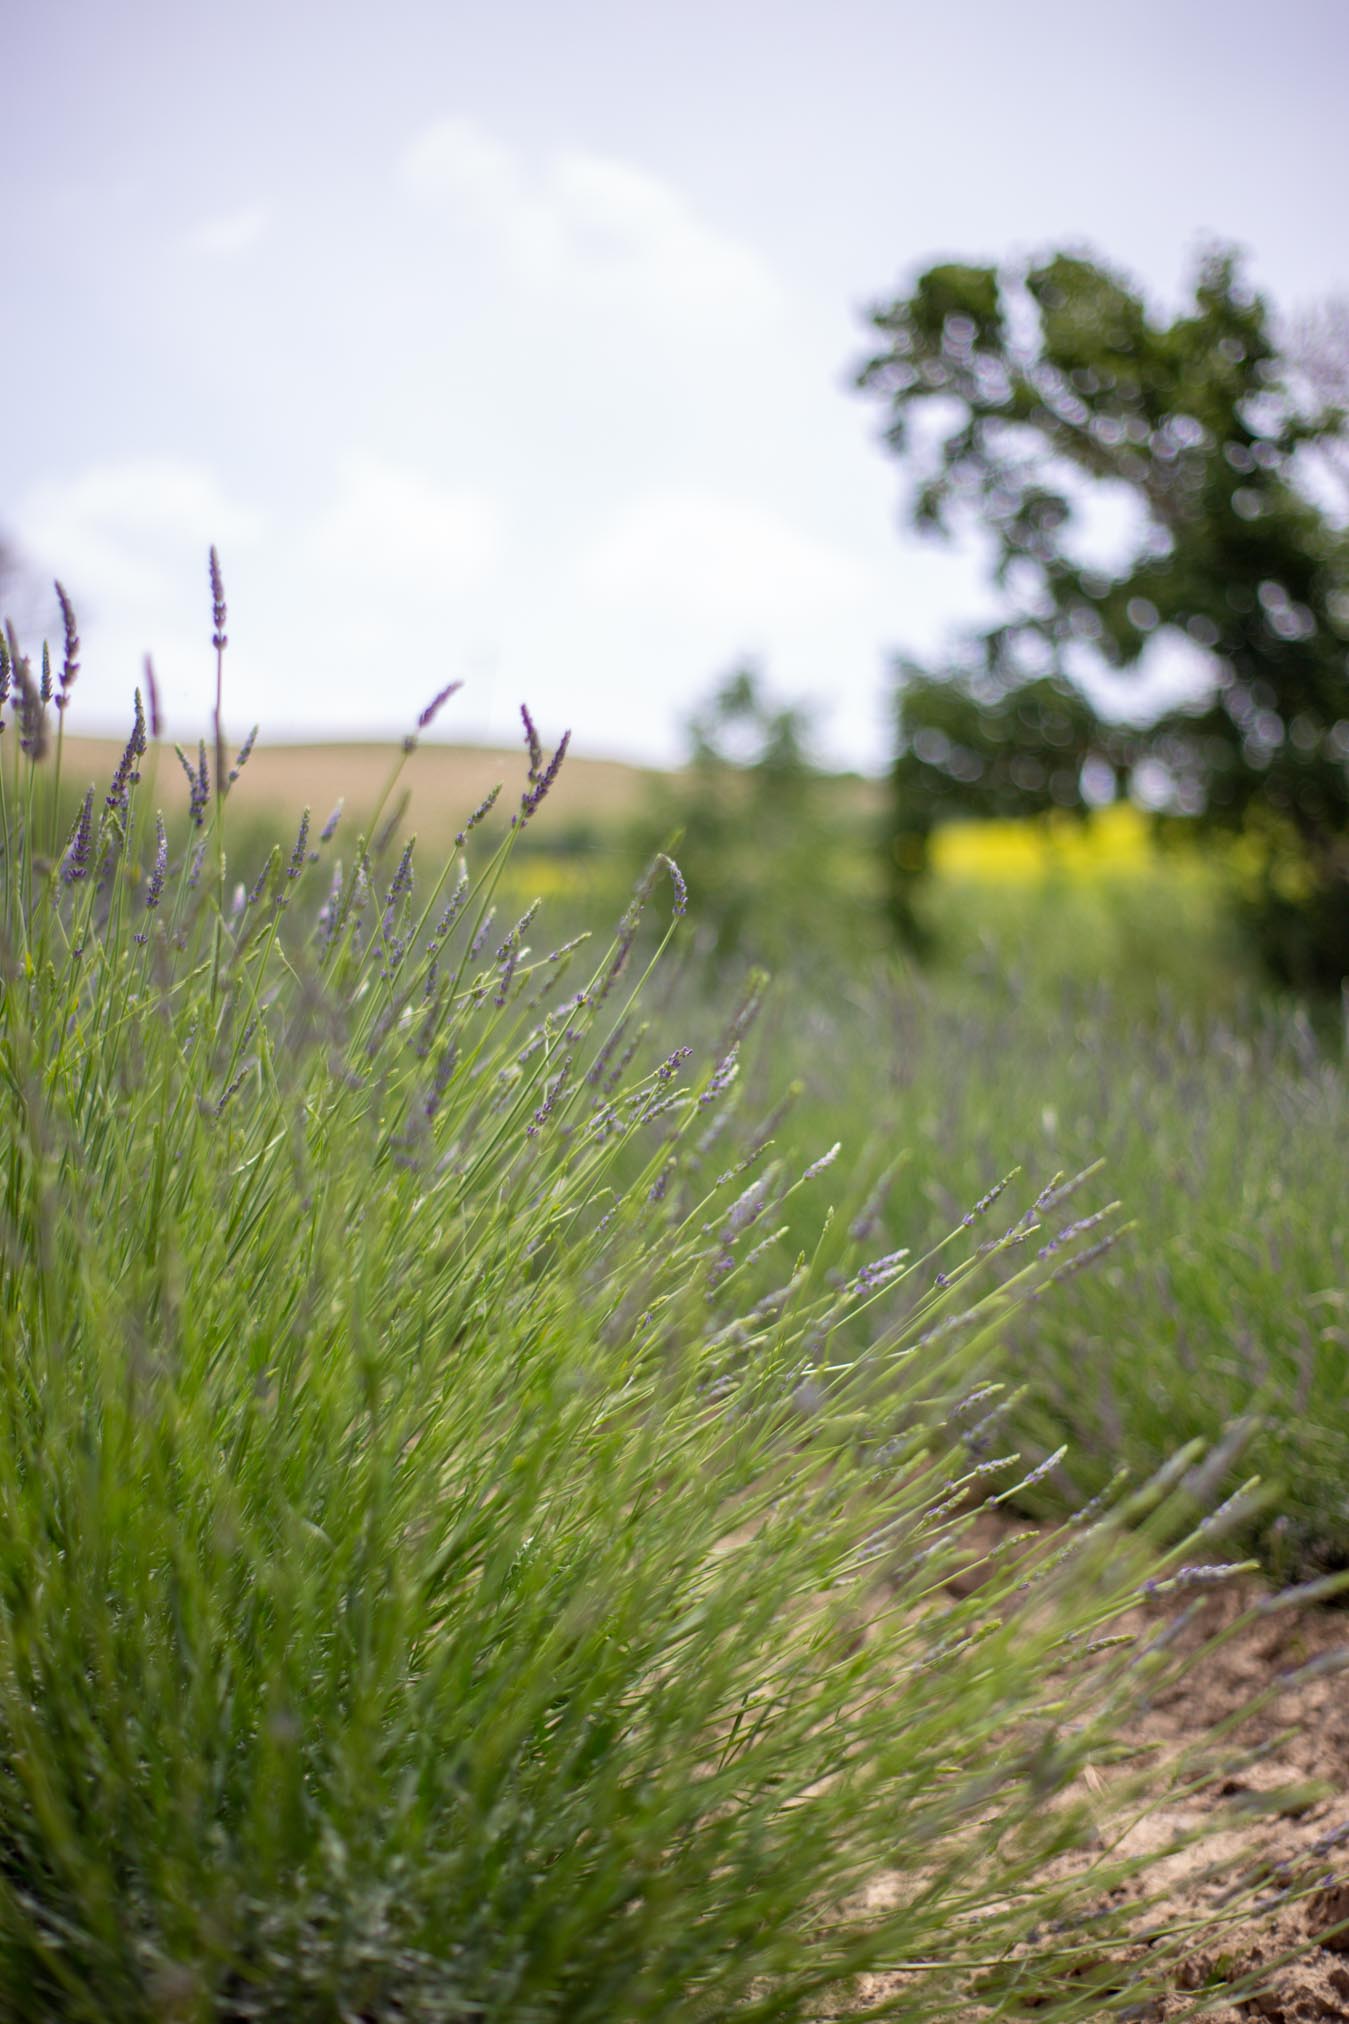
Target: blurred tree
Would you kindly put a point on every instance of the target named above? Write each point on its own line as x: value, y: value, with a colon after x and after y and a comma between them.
x: 775, y: 851
x: 24, y: 599
x: 11, y: 572
x: 1033, y: 402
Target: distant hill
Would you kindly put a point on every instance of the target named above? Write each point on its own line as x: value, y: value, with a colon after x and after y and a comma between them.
x: 447, y: 781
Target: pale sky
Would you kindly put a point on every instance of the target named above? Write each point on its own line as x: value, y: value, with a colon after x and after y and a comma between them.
x: 512, y: 342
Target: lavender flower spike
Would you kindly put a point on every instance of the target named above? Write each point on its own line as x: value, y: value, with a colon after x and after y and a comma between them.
x: 242, y: 760
x: 677, y: 880
x: 723, y: 1076
x: 218, y: 637
x: 70, y: 666
x: 483, y: 809
x: 529, y: 802
x: 28, y: 703
x: 154, y: 892
x: 198, y: 783
x: 986, y: 1201
x: 126, y: 776
x: 297, y: 856
x: 436, y: 703
x: 534, y: 743
x: 152, y: 697
x: 75, y: 863
x: 825, y: 1160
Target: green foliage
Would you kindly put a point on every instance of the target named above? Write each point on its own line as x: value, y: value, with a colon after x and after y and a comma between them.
x: 1017, y: 397
x: 777, y: 853
x: 459, y: 1559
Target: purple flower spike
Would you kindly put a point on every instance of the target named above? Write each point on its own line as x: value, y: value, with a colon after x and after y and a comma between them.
x: 75, y: 863
x: 723, y: 1076
x: 297, y: 856
x: 218, y: 637
x: 152, y: 697
x: 986, y: 1201
x: 433, y: 708
x: 201, y: 786
x: 534, y: 743
x: 1071, y: 1231
x: 32, y: 716
x: 825, y: 1160
x: 244, y: 751
x: 154, y: 892
x: 126, y: 776
x: 529, y: 802
x: 483, y: 809
x: 71, y: 664
x: 677, y: 880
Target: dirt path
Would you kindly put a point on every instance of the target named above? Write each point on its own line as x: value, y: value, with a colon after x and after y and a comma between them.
x: 1298, y: 1857
x: 1303, y: 1732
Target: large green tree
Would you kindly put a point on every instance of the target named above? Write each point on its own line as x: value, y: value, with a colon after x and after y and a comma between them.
x: 1020, y: 399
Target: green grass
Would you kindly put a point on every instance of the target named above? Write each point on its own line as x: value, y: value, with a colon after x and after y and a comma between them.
x: 462, y: 1556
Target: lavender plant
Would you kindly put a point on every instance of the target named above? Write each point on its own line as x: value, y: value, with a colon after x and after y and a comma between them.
x: 459, y: 1560
x: 1225, y: 1302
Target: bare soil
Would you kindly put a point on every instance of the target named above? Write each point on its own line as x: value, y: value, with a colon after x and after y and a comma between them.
x: 1284, y: 1952
x: 1302, y: 1850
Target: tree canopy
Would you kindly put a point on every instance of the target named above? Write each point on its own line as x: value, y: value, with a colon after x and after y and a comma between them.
x: 1025, y: 399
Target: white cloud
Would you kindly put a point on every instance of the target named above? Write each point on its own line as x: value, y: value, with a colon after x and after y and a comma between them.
x: 455, y: 164
x: 720, y: 561
x: 588, y: 222
x: 122, y: 534
x: 390, y: 530
x: 129, y: 541
x: 232, y: 233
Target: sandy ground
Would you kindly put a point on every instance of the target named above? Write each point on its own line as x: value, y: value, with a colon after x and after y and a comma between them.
x: 1302, y: 1851
x: 1298, y: 1857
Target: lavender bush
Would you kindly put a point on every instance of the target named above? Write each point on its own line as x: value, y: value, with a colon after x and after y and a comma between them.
x: 459, y: 1560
